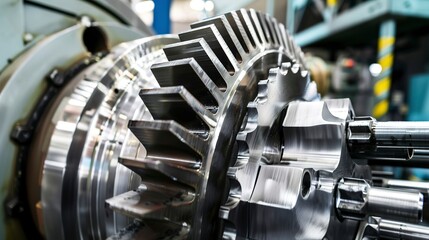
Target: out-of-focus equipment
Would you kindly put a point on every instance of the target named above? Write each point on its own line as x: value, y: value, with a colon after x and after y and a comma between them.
x: 336, y: 25
x: 217, y: 132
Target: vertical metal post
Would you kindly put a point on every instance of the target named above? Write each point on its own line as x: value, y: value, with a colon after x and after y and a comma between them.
x: 161, y: 16
x: 386, y: 45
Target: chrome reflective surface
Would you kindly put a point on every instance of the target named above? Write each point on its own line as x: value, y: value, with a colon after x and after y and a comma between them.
x: 221, y: 134
x: 81, y: 169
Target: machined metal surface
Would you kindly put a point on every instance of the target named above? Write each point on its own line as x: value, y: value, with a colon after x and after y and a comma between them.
x: 356, y: 199
x: 93, y: 115
x: 216, y: 133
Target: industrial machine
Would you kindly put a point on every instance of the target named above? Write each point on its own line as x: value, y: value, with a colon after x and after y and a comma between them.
x: 214, y: 133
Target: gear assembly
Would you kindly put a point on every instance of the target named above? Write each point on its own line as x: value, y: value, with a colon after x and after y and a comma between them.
x: 219, y: 132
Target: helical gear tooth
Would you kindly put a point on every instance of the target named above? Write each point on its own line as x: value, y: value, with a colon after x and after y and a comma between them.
x: 216, y: 42
x: 188, y: 73
x: 289, y: 46
x: 244, y: 18
x: 203, y: 55
x: 257, y: 27
x: 271, y: 30
x: 277, y: 33
x: 238, y: 26
x: 183, y: 172
x: 168, y: 139
x: 228, y: 34
x: 264, y: 28
x: 160, y: 199
x: 283, y: 37
x: 176, y: 103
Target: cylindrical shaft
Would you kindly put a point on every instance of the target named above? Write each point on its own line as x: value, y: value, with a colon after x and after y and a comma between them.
x: 395, y: 204
x: 356, y: 199
x: 401, y: 134
x: 398, y: 230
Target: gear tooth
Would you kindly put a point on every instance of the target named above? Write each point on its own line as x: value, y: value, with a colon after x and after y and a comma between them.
x: 188, y: 73
x: 280, y: 28
x: 257, y: 26
x: 179, y: 170
x: 295, y: 83
x: 302, y: 59
x: 272, y: 72
x: 238, y: 26
x: 262, y: 91
x: 177, y: 104
x: 295, y: 68
x: 157, y: 136
x: 218, y: 45
x: 304, y: 73
x: 159, y: 199
x: 260, y: 19
x: 267, y: 20
x: 250, y: 121
x: 311, y: 93
x: 228, y: 34
x: 291, y: 45
x: 276, y: 31
x: 203, y: 55
x: 244, y: 18
x: 285, y: 67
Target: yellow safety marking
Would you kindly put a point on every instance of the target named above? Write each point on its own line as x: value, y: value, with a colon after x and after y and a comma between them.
x: 332, y: 3
x: 382, y: 86
x: 380, y: 109
x: 386, y: 62
x: 385, y: 42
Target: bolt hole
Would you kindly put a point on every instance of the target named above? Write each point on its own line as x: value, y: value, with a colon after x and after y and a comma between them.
x: 94, y: 39
x: 116, y: 91
x: 306, y: 185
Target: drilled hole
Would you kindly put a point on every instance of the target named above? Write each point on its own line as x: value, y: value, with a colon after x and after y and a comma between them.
x: 306, y: 184
x: 95, y: 39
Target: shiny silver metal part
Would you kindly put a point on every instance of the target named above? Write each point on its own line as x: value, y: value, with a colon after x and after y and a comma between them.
x: 377, y: 228
x: 88, y: 127
x: 356, y: 199
x: 221, y: 134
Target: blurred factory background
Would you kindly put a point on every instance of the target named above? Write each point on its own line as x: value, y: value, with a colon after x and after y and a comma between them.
x: 372, y: 51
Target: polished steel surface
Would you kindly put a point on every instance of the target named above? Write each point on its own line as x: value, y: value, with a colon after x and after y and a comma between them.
x: 356, y: 199
x: 370, y: 139
x: 219, y: 133
x: 379, y: 228
x: 81, y: 170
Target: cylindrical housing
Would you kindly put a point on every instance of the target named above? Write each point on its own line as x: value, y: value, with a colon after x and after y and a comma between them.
x: 398, y: 230
x: 401, y: 134
x: 395, y: 204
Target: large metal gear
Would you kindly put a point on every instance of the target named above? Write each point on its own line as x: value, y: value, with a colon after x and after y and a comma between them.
x: 212, y: 76
x: 217, y: 133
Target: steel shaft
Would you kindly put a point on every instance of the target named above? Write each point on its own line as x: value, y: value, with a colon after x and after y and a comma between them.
x: 398, y: 230
x: 373, y: 140
x: 356, y: 199
x: 401, y: 134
